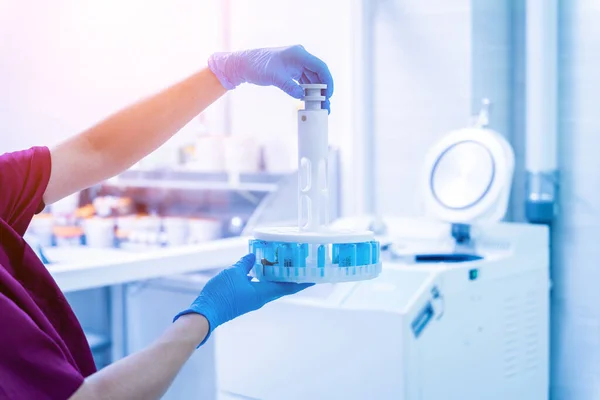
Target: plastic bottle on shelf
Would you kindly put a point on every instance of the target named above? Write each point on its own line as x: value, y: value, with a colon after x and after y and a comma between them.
x: 99, y: 231
x: 66, y: 230
x: 280, y: 154
x: 210, y: 154
x: 139, y: 232
x: 176, y: 230
x: 204, y: 230
x: 41, y: 227
x: 242, y: 154
x: 208, y: 148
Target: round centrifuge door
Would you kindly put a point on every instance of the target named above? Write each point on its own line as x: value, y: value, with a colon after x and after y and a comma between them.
x: 468, y: 176
x: 462, y: 175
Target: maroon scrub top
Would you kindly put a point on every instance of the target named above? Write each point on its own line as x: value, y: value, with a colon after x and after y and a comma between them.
x: 43, y: 350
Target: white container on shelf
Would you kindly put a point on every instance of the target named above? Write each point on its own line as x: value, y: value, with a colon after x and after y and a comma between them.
x: 280, y: 154
x: 149, y: 223
x: 66, y: 206
x: 242, y: 154
x: 204, y: 230
x: 136, y: 230
x: 176, y: 230
x: 210, y: 155
x: 99, y: 232
x: 126, y: 224
x: 103, y: 206
x: 41, y: 227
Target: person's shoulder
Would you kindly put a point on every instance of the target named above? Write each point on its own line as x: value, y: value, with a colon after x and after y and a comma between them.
x: 24, y: 155
x: 24, y: 176
x: 16, y: 165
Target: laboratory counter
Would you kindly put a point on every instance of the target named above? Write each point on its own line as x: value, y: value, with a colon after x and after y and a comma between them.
x: 80, y: 268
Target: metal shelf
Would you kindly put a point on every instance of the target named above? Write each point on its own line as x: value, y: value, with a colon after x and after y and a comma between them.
x: 191, y: 180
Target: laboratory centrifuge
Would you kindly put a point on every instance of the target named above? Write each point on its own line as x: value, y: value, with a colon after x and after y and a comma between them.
x: 460, y: 310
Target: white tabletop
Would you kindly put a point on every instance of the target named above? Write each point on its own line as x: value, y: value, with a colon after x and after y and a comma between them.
x: 78, y: 268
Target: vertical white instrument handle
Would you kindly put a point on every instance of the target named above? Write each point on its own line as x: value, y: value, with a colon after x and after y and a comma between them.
x: 313, y: 151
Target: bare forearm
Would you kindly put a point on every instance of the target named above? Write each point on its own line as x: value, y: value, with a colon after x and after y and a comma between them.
x: 147, y: 374
x: 129, y: 135
x: 136, y: 131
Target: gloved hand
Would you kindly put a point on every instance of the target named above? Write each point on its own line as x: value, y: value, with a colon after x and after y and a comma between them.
x: 283, y: 67
x: 231, y: 294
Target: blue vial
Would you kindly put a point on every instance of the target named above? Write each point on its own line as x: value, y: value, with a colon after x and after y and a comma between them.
x: 375, y: 252
x: 285, y: 255
x: 347, y: 255
x: 321, y: 256
x: 301, y: 254
x: 269, y: 252
x: 279, y: 253
x: 335, y: 254
x: 363, y: 253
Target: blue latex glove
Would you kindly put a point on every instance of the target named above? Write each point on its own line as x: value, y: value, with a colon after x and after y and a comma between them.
x: 232, y: 293
x: 283, y: 67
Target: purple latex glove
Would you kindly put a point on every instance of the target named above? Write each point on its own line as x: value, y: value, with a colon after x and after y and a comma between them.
x: 284, y: 67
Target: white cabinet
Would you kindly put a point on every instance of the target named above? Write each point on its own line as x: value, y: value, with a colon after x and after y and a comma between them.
x: 150, y: 307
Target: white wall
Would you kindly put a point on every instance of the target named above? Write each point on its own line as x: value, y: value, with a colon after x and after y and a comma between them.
x: 423, y: 87
x: 434, y: 60
x: 66, y: 64
x: 575, y: 252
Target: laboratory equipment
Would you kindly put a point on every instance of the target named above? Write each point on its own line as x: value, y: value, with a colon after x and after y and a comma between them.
x: 467, y: 176
x: 242, y: 154
x: 314, y: 252
x: 176, y: 230
x: 139, y: 232
x: 165, y: 298
x: 169, y: 295
x: 204, y: 230
x: 99, y: 232
x: 542, y: 104
x: 210, y: 154
x: 436, y: 324
x: 460, y: 310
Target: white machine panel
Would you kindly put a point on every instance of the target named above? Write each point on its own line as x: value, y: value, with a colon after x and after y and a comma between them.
x: 292, y: 351
x: 393, y: 292
x: 469, y: 330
